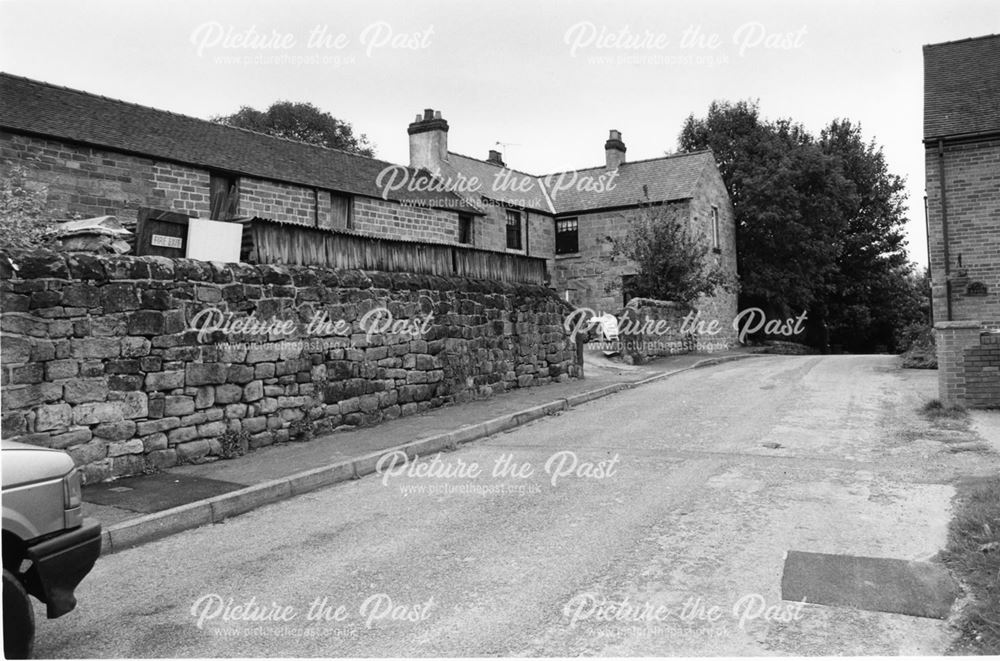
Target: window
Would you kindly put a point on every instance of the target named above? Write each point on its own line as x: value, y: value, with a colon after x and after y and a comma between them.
x: 715, y: 229
x: 465, y: 228
x: 341, y: 211
x: 223, y: 195
x: 629, y: 285
x: 513, y: 229
x: 567, y: 236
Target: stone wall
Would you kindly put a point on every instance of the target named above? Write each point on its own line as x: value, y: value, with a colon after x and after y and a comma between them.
x: 652, y: 328
x: 972, y: 195
x: 99, y: 356
x: 397, y: 221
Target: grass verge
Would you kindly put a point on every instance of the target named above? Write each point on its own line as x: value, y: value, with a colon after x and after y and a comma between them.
x: 973, y: 555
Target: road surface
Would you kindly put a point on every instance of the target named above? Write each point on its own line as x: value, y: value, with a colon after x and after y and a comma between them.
x: 652, y: 522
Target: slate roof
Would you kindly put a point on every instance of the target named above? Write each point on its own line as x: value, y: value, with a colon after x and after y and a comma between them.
x: 49, y: 110
x: 655, y: 180
x: 962, y: 87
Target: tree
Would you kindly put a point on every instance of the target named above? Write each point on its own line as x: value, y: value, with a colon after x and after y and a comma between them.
x: 788, y: 197
x: 819, y: 222
x: 303, y: 122
x: 673, y: 262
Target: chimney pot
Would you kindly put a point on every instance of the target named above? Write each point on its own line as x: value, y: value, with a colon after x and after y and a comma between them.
x: 428, y: 113
x: 496, y: 157
x: 614, y: 150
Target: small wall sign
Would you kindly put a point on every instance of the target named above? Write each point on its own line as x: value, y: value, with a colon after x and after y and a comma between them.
x: 166, y: 241
x: 976, y: 289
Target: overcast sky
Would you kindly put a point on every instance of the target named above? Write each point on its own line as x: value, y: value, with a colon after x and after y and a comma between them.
x: 545, y: 79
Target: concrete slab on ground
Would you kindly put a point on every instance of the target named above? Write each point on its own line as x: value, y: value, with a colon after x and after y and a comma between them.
x: 885, y: 585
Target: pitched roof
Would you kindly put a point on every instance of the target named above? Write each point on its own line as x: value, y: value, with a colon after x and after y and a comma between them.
x: 654, y: 180
x: 962, y: 87
x: 43, y: 109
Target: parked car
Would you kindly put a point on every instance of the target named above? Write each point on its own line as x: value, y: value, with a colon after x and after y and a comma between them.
x: 48, y: 545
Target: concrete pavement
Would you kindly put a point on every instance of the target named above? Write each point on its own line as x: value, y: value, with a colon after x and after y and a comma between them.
x: 651, y: 523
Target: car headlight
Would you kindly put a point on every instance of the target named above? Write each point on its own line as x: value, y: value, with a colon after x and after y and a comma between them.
x: 72, y: 490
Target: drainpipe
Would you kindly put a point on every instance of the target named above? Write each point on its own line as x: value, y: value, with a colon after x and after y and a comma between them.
x: 944, y: 226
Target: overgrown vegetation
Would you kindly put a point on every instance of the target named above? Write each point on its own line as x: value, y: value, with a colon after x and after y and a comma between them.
x: 973, y: 555
x: 935, y: 410
x: 300, y: 430
x: 24, y: 223
x: 234, y: 443
x: 674, y: 262
x: 919, y: 348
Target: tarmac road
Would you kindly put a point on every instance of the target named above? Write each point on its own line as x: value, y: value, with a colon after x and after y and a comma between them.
x: 667, y: 501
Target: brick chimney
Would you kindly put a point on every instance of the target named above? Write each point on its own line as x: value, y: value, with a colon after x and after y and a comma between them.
x: 614, y: 150
x: 428, y: 140
x: 496, y: 157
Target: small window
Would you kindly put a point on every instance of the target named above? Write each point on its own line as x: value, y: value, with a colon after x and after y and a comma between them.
x: 465, y: 228
x: 341, y: 211
x: 715, y: 228
x: 629, y: 285
x: 224, y: 196
x: 567, y: 236
x: 513, y: 229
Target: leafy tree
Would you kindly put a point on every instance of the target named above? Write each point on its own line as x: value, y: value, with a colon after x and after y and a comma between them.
x: 819, y: 223
x: 673, y: 262
x: 23, y: 219
x: 303, y: 122
x: 788, y: 197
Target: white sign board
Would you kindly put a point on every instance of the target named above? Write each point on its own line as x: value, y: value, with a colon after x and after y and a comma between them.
x: 164, y: 241
x: 213, y: 240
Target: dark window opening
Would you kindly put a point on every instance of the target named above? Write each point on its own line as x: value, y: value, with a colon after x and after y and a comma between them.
x: 567, y: 236
x: 465, y: 228
x: 629, y: 283
x: 224, y: 196
x: 341, y: 211
x: 715, y: 229
x: 513, y: 229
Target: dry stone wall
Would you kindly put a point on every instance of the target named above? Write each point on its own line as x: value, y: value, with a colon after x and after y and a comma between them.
x: 132, y: 363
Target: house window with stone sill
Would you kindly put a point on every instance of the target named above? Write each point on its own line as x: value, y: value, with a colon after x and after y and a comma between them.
x: 514, y: 230
x: 567, y: 236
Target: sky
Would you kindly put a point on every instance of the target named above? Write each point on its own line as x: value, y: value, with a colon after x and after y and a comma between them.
x: 542, y: 81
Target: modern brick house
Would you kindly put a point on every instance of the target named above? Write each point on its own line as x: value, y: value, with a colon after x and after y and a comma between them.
x: 567, y: 217
x: 962, y: 147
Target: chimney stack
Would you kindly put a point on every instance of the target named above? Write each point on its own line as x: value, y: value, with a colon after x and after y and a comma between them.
x: 496, y: 157
x: 614, y: 150
x: 428, y: 141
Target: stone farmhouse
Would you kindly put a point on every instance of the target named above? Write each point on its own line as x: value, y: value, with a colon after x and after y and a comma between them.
x: 567, y: 217
x: 962, y: 148
x: 102, y: 156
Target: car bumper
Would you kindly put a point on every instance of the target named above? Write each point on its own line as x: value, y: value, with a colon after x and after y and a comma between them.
x: 60, y: 563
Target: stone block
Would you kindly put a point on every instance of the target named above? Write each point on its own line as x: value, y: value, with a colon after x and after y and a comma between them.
x: 182, y: 435
x: 119, y: 448
x: 191, y: 451
x: 153, y: 426
x: 61, y: 369
x: 228, y: 393
x: 205, y: 397
x: 95, y: 347
x: 96, y: 413
x: 174, y: 405
x: 154, y: 442
x: 115, y: 431
x: 199, y: 374
x: 79, y: 391
x: 70, y: 439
